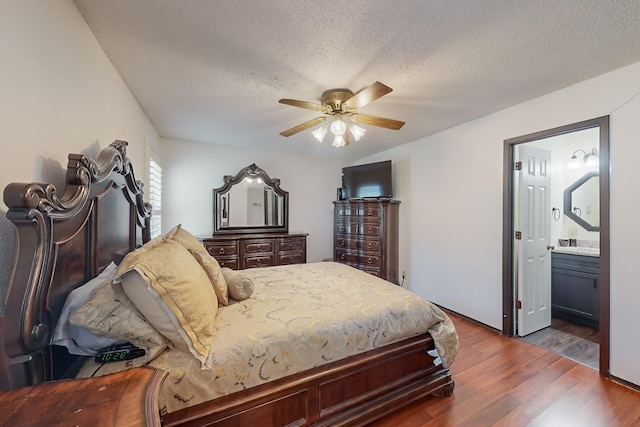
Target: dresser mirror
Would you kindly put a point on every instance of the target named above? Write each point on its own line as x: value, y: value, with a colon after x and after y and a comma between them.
x: 582, y: 201
x: 250, y: 202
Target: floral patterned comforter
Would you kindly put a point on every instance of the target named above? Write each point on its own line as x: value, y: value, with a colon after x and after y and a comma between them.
x: 299, y: 317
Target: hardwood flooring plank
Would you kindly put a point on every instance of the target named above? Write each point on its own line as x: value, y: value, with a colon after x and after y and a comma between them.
x: 509, y: 382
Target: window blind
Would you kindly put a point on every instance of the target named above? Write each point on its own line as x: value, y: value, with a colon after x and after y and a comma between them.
x: 155, y: 197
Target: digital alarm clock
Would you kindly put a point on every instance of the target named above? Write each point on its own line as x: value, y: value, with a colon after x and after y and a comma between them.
x: 119, y: 352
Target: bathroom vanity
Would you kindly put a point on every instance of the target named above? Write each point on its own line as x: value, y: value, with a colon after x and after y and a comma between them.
x: 575, y: 274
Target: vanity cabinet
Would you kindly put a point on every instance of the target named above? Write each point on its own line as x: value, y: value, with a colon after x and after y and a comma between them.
x: 575, y: 288
x: 366, y: 236
x: 241, y: 251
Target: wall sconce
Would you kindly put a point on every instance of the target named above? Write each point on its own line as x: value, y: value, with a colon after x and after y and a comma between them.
x: 591, y: 159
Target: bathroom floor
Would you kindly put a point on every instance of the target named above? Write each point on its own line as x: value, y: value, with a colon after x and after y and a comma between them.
x: 571, y: 340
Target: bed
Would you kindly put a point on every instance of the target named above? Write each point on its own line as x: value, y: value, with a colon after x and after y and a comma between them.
x: 66, y: 240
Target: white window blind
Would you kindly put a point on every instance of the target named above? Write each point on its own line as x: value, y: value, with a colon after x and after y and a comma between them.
x: 155, y: 197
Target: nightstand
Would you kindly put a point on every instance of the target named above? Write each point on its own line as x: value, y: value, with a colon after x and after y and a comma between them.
x: 128, y: 398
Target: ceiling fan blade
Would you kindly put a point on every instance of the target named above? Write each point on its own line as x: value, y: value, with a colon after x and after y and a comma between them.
x: 305, y: 104
x: 303, y: 126
x: 367, y: 95
x: 376, y: 121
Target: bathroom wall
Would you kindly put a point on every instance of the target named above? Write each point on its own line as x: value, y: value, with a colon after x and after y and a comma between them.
x: 563, y: 174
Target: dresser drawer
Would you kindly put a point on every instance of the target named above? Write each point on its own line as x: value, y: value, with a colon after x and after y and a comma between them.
x: 231, y: 262
x: 294, y: 258
x: 369, y: 245
x: 346, y: 211
x: 221, y: 249
x: 258, y: 246
x: 366, y: 261
x: 358, y: 229
x: 369, y: 212
x: 291, y: 245
x: 258, y: 261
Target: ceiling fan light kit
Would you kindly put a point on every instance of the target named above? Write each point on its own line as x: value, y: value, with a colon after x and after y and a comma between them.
x: 342, y: 105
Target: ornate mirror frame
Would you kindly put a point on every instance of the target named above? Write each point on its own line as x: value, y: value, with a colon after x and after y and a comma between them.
x: 568, y: 202
x: 219, y: 203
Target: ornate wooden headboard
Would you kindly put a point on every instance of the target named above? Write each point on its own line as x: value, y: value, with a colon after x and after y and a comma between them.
x: 62, y: 241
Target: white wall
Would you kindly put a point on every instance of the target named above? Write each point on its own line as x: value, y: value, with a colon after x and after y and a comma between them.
x: 58, y: 94
x: 191, y: 171
x: 451, y: 212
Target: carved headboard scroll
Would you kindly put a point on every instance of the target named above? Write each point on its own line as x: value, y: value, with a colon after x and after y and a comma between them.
x: 63, y: 240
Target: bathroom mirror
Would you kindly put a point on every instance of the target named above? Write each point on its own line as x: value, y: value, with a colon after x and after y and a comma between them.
x: 582, y: 201
x: 250, y: 202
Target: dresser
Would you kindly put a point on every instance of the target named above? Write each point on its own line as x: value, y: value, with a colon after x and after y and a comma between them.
x: 366, y: 236
x: 241, y: 251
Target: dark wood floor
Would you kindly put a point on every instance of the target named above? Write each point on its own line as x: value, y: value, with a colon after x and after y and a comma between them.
x: 509, y: 382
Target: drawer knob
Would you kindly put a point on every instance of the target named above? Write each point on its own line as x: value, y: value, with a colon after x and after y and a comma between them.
x: 291, y: 259
x: 370, y: 230
x: 370, y: 213
x: 258, y: 262
x: 221, y: 251
x: 222, y: 264
x: 369, y: 261
x: 290, y: 245
x: 341, y: 242
x: 342, y: 256
x: 369, y: 244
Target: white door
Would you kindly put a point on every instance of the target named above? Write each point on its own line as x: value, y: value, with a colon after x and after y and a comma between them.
x: 534, y: 255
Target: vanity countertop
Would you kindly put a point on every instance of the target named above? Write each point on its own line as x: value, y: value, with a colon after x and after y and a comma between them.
x: 578, y: 250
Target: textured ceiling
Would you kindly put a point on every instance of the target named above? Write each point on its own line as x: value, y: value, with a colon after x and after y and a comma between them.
x: 214, y: 70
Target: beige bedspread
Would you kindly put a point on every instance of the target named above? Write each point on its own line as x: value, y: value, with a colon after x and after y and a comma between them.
x: 299, y: 316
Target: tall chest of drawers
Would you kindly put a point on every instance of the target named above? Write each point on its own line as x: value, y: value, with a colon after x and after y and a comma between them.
x: 366, y: 236
x: 241, y: 251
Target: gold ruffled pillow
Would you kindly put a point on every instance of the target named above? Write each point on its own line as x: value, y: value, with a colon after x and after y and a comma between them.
x: 173, y: 292
x: 209, y: 263
x: 240, y: 286
x: 110, y: 313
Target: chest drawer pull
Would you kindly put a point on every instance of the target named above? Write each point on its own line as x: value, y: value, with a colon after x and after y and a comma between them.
x: 369, y: 261
x: 222, y: 251
x: 369, y: 245
x: 291, y: 258
x: 258, y: 262
x: 342, y: 242
x: 370, y: 230
x: 290, y: 245
x: 342, y: 257
x: 222, y: 264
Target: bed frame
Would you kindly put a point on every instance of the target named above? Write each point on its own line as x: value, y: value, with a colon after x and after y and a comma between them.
x: 64, y: 240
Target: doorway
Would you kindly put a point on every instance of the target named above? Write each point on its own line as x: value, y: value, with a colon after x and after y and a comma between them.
x: 510, y: 242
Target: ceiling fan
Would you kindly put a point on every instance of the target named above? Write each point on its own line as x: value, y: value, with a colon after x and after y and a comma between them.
x: 342, y: 103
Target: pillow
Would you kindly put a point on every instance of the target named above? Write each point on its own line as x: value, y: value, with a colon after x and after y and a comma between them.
x: 240, y: 286
x: 110, y: 313
x: 209, y: 263
x: 173, y: 292
x: 76, y: 339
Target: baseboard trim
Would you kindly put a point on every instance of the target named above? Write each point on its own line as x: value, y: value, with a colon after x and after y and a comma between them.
x: 470, y: 320
x: 624, y: 383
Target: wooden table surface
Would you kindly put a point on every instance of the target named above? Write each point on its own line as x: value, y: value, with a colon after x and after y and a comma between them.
x: 128, y: 398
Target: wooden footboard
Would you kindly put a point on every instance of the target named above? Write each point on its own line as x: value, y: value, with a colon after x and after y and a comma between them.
x: 354, y: 391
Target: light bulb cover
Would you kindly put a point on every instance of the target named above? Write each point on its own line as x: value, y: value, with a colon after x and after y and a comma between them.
x: 338, y: 127
x: 338, y: 141
x: 357, y: 132
x: 319, y: 133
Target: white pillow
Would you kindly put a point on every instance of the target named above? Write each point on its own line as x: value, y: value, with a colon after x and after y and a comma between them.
x: 77, y: 339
